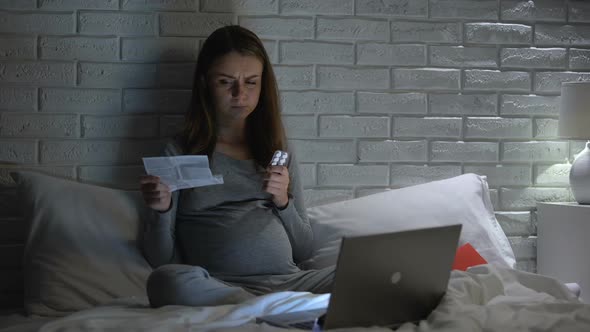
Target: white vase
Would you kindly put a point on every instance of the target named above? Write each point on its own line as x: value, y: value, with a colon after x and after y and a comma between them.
x: 580, y: 176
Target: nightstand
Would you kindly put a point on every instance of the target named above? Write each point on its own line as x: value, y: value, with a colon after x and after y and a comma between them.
x: 563, y: 243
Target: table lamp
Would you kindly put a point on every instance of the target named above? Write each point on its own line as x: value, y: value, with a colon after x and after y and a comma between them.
x: 574, y: 123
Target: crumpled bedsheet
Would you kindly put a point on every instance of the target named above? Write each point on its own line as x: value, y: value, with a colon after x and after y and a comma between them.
x: 485, y: 298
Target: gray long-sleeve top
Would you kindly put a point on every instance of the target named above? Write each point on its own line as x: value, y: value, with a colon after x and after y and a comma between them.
x: 232, y: 228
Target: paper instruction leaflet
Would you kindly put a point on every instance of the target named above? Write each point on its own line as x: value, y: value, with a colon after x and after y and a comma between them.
x: 180, y: 172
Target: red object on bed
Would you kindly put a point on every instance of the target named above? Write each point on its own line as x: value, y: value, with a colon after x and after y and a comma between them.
x: 467, y: 257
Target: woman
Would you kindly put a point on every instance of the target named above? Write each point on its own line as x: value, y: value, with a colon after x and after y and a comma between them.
x: 245, y: 237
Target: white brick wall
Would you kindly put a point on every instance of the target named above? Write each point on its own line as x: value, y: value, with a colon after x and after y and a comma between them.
x: 375, y: 94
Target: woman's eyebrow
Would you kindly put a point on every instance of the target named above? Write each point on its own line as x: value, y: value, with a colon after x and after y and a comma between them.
x: 233, y: 77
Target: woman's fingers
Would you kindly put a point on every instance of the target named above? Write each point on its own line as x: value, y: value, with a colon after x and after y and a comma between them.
x: 155, y: 193
x: 278, y: 176
x: 148, y: 182
x: 281, y: 170
x: 152, y: 183
x: 144, y: 179
x: 278, y: 173
x: 277, y: 183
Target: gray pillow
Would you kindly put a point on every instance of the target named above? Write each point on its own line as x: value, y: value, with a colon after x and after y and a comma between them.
x: 82, y: 246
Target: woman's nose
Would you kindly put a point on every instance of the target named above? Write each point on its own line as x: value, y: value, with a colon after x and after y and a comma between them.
x: 237, y: 89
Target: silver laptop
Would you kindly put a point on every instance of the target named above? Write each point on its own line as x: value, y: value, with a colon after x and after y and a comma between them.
x: 383, y: 280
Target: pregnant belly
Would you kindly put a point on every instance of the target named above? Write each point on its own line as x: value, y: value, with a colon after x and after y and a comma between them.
x: 252, y: 243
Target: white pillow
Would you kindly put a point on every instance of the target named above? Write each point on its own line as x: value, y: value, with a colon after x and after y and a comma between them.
x: 463, y: 199
x: 82, y: 245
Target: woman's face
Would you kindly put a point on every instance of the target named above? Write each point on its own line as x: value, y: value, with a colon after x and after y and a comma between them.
x: 234, y: 81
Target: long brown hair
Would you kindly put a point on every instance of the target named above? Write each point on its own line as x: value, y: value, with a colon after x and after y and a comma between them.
x: 264, y: 128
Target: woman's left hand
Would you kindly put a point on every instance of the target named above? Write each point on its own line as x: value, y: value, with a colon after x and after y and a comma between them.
x: 276, y: 183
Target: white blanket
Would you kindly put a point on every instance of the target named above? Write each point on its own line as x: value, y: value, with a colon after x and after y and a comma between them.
x: 484, y: 298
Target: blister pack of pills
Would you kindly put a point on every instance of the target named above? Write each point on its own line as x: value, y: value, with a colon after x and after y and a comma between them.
x: 279, y: 158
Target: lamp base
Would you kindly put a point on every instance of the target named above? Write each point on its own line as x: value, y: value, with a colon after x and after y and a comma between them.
x: 580, y: 176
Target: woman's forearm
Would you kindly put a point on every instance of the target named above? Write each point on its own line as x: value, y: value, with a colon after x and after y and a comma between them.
x: 158, y: 237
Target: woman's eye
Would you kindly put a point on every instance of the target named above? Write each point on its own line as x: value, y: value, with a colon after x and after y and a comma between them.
x: 225, y: 82
x: 251, y: 82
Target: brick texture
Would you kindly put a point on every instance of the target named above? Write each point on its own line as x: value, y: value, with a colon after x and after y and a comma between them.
x: 375, y: 95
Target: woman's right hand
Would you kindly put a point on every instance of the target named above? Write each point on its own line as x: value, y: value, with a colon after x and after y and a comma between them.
x: 155, y: 193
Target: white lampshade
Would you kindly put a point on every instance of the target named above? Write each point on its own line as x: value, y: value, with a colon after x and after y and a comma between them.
x: 574, y: 114
x: 574, y: 123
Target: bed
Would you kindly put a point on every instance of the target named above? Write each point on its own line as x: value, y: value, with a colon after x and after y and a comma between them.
x: 84, y: 271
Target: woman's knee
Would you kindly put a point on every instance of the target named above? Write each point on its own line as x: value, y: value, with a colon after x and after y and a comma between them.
x: 168, y: 283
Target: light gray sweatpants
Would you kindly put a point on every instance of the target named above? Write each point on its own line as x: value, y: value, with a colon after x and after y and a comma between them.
x: 179, y: 284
